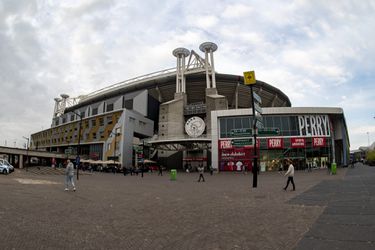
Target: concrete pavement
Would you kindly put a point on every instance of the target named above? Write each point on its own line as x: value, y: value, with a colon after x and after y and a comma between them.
x: 112, y: 211
x: 348, y: 221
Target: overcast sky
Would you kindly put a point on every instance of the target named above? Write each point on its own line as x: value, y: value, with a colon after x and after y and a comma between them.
x: 319, y: 53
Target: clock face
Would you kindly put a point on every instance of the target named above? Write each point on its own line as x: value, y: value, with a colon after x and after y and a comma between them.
x: 195, y: 126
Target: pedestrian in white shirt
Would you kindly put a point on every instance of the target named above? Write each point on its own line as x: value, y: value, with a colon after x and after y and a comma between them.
x: 69, y: 176
x: 290, y: 174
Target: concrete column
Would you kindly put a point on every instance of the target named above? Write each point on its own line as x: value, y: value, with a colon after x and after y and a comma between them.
x: 180, y: 54
x: 177, y: 74
x: 206, y: 66
x: 20, y: 161
x: 183, y: 80
x: 213, y: 69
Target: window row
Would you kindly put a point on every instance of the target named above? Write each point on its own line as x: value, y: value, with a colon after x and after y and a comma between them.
x: 287, y: 125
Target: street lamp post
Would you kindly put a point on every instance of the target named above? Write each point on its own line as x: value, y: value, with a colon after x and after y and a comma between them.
x: 79, y: 142
x: 27, y: 153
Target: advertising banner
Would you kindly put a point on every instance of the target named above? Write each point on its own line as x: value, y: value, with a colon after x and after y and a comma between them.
x: 314, y: 125
x: 234, y: 158
x: 297, y: 142
x: 319, y: 142
x: 275, y: 143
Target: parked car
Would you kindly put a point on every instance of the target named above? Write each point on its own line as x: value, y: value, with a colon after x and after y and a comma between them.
x: 5, y: 167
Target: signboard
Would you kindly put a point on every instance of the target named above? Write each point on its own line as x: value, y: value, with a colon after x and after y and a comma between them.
x: 258, y: 108
x: 242, y: 142
x: 268, y: 131
x: 319, y: 142
x: 235, y: 159
x: 249, y: 77
x: 313, y: 125
x: 275, y: 143
x: 225, y: 144
x: 259, y: 124
x: 297, y: 142
x: 78, y: 160
x: 242, y: 132
x: 257, y: 98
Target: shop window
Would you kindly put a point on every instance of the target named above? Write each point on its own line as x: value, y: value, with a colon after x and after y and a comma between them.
x: 267, y: 121
x: 277, y: 122
x: 230, y: 124
x: 237, y: 122
x: 246, y: 122
x: 293, y: 121
x: 285, y: 129
x: 223, y: 128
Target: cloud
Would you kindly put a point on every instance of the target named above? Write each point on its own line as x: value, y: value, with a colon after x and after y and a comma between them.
x: 316, y: 52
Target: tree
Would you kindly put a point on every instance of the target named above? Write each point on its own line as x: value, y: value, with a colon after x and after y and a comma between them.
x: 370, y: 157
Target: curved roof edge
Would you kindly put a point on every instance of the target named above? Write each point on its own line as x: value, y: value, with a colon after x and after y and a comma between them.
x: 153, y: 80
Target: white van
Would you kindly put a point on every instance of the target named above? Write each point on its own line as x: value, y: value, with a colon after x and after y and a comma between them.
x: 5, y: 167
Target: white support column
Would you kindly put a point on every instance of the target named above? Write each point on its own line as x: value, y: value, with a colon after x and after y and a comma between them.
x: 213, y: 69
x: 209, y: 48
x: 180, y: 54
x: 183, y: 75
x: 177, y: 71
x: 207, y: 73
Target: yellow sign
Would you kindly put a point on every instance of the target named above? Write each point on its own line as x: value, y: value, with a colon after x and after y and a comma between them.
x: 249, y: 77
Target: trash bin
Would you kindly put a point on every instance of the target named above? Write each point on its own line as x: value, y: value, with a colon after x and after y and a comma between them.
x: 173, y: 174
x: 333, y: 168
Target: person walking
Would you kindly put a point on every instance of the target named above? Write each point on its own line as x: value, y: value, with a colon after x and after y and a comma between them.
x: 160, y: 168
x: 142, y: 169
x: 211, y: 170
x: 290, y: 174
x: 201, y: 170
x: 69, y: 176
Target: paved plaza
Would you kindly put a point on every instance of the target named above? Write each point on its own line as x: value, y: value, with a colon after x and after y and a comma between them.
x: 112, y: 211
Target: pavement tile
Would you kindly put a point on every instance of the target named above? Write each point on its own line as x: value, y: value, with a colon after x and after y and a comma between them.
x: 112, y: 211
x: 323, y: 244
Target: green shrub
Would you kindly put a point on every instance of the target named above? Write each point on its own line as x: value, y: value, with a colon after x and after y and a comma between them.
x: 370, y: 157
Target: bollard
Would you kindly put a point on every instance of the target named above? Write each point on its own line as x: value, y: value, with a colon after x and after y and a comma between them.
x: 333, y: 168
x: 173, y: 174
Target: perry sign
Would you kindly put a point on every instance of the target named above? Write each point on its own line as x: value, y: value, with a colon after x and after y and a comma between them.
x: 313, y: 125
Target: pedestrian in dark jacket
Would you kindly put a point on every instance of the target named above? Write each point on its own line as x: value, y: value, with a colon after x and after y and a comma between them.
x: 160, y: 168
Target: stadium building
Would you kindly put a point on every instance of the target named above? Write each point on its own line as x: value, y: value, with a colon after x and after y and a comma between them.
x: 191, y: 115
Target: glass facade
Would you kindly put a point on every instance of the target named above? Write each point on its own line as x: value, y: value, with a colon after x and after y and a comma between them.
x: 305, y: 139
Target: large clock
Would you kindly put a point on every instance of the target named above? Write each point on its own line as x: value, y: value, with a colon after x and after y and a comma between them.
x: 195, y: 126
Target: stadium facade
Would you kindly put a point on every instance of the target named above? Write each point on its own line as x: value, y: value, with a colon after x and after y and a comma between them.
x: 191, y: 115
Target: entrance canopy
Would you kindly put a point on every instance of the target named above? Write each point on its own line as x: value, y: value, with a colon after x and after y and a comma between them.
x: 190, y: 144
